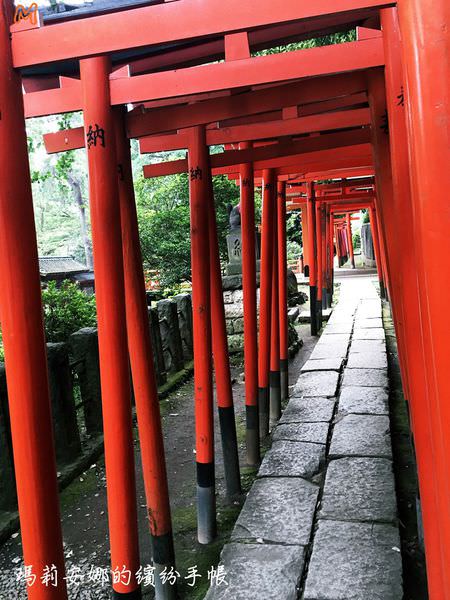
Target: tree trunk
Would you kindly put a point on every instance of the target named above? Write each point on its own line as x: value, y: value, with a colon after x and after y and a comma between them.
x: 76, y: 189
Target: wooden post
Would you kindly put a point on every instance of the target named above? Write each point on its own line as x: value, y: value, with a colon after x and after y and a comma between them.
x: 282, y: 290
x: 265, y: 300
x: 224, y: 391
x: 142, y: 368
x: 23, y: 339
x: 112, y: 333
x: 200, y: 198
x: 250, y: 310
x: 274, y: 375
x: 425, y: 52
x: 311, y: 210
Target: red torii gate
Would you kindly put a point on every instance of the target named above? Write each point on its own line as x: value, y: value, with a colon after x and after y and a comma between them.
x: 416, y: 177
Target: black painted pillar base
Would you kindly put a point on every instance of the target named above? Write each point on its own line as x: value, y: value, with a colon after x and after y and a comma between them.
x: 206, y: 503
x: 263, y: 407
x: 382, y: 290
x: 324, y: 299
x: 313, y: 309
x: 275, y: 397
x: 163, y: 558
x: 230, y: 451
x: 284, y: 379
x: 252, y: 436
x: 330, y: 299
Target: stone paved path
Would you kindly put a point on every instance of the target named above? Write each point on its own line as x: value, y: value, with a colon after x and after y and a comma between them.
x: 320, y: 521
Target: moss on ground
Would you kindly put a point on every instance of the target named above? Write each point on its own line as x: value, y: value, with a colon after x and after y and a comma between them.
x: 85, y: 484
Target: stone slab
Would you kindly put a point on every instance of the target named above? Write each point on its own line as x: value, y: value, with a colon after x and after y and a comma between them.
x: 322, y: 364
x: 308, y: 410
x: 368, y: 323
x: 376, y: 359
x: 359, y: 489
x: 361, y: 435
x: 316, y: 433
x: 375, y: 333
x: 278, y: 510
x: 327, y: 338
x: 355, y: 561
x: 292, y: 459
x: 365, y: 377
x: 337, y: 350
x: 339, y: 328
x: 266, y: 571
x: 364, y: 400
x: 318, y: 383
x: 367, y: 345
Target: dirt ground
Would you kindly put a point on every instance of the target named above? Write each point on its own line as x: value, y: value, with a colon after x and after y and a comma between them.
x: 83, y: 503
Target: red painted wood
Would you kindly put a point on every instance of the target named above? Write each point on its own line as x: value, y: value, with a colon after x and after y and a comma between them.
x: 183, y: 20
x: 24, y: 342
x: 112, y: 332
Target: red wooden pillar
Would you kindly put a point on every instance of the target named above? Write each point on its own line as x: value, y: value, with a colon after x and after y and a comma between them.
x: 274, y: 375
x: 330, y: 257
x: 420, y: 408
x: 305, y: 237
x: 144, y: 382
x: 250, y: 310
x: 323, y: 227
x: 338, y: 245
x: 385, y: 207
x: 311, y: 210
x: 319, y: 270
x: 282, y: 293
x: 265, y: 300
x: 224, y: 391
x: 23, y: 339
x: 350, y: 239
x: 376, y: 247
x: 112, y: 334
x: 200, y: 199
x: 426, y: 51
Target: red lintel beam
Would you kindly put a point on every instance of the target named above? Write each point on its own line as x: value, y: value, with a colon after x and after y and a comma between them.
x: 259, y: 70
x: 259, y: 39
x: 326, y: 167
x: 337, y: 199
x: 277, y: 153
x: 260, y: 131
x: 72, y: 139
x: 309, y: 169
x: 164, y: 23
x: 250, y: 102
x: 351, y: 100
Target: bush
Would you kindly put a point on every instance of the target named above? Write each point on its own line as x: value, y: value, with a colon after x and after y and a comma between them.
x: 357, y: 240
x: 294, y: 250
x: 66, y: 309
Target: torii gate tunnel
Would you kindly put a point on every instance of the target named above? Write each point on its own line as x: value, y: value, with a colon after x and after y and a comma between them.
x: 371, y: 115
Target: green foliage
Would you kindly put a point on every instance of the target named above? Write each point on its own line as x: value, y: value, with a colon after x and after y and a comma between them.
x: 66, y: 309
x: 164, y: 223
x: 356, y: 240
x: 326, y: 40
x: 294, y: 227
x: 294, y: 250
x: 366, y: 216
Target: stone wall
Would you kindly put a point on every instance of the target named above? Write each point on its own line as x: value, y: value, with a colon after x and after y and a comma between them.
x: 75, y: 387
x: 75, y: 390
x: 234, y: 315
